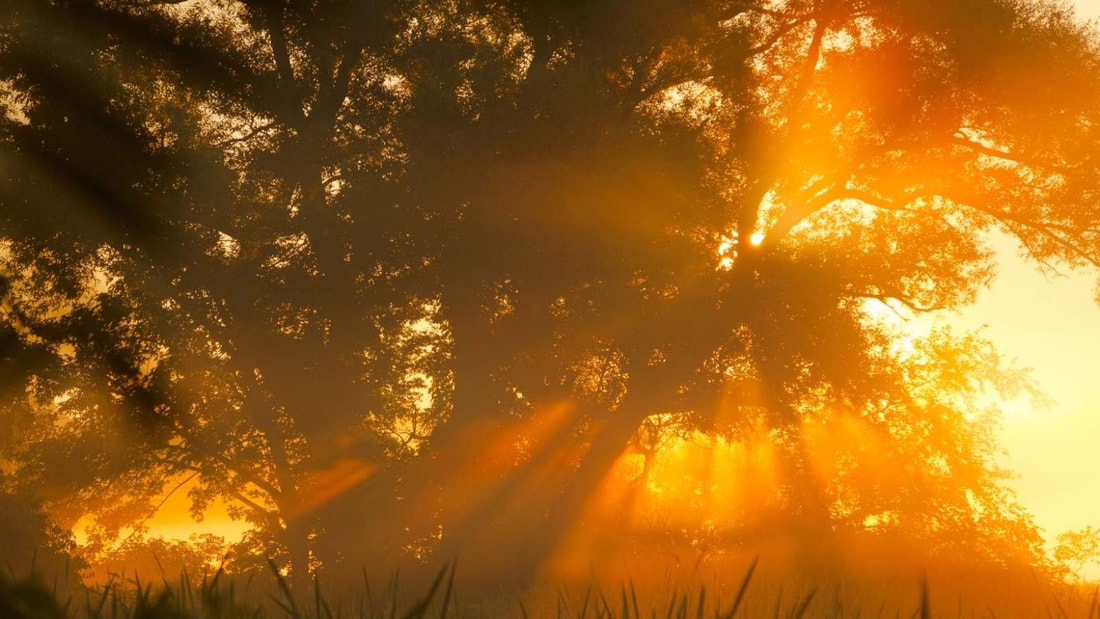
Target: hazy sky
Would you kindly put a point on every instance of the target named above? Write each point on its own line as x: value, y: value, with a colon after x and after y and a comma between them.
x: 1053, y: 326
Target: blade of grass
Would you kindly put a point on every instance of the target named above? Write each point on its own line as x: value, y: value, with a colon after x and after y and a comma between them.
x: 320, y: 605
x: 421, y: 608
x: 1058, y: 603
x: 448, y: 591
x: 925, y: 607
x: 393, y: 594
x: 185, y: 590
x: 606, y: 609
x: 285, y: 588
x: 286, y: 609
x: 370, y: 597
x: 102, y: 601
x: 584, y: 605
x: 801, y: 610
x: 741, y: 591
x: 671, y: 606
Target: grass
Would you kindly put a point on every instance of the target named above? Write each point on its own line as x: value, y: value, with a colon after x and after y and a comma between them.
x: 213, y: 597
x: 217, y: 596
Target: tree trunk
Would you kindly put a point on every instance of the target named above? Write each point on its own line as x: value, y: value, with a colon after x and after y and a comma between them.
x: 296, y: 540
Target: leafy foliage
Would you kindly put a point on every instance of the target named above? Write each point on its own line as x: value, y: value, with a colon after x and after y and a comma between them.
x: 301, y: 254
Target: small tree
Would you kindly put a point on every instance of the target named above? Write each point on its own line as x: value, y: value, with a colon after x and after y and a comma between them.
x: 1077, y: 549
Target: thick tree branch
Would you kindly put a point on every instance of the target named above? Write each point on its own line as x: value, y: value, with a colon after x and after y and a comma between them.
x: 809, y: 67
x: 156, y: 508
x: 280, y: 51
x: 883, y: 295
x: 797, y: 213
x: 1051, y: 232
x: 240, y: 470
x: 793, y: 131
x: 333, y: 95
x: 263, y: 512
x: 960, y: 139
x: 236, y: 494
x: 253, y: 132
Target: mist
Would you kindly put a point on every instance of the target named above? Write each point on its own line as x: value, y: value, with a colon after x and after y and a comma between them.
x: 505, y: 307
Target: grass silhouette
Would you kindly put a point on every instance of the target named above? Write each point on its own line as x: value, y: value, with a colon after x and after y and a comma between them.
x: 216, y: 596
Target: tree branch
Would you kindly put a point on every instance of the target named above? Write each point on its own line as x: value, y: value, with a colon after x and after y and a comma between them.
x: 777, y: 35
x: 256, y: 507
x: 238, y: 469
x: 796, y: 214
x: 889, y: 294
x: 254, y: 130
x: 236, y: 494
x: 960, y: 139
x: 1052, y: 232
x: 813, y: 55
x: 333, y: 99
x: 156, y: 508
x: 280, y: 51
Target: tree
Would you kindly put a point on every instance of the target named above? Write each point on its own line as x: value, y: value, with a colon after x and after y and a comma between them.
x: 347, y: 238
x: 32, y: 544
x: 1077, y: 549
x: 861, y: 151
x: 147, y: 560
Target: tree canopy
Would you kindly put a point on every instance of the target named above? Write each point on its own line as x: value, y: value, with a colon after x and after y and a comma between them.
x: 417, y: 275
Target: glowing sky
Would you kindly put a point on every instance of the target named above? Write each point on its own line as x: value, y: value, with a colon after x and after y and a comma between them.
x: 1052, y: 325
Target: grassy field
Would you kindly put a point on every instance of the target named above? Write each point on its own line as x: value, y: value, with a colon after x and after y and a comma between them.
x: 220, y: 596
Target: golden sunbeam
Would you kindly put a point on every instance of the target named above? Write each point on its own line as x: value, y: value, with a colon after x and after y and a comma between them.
x: 322, y: 486
x: 517, y: 298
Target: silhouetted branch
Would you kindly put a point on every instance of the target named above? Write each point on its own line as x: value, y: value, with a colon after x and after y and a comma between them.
x: 781, y: 32
x: 253, y: 132
x: 262, y: 511
x: 960, y: 139
x: 281, y: 53
x: 885, y: 296
x: 1043, y: 228
x: 156, y: 508
x: 236, y: 468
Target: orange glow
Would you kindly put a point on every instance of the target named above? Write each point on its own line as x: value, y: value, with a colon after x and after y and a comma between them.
x: 1051, y: 325
x: 324, y: 485
x: 725, y: 474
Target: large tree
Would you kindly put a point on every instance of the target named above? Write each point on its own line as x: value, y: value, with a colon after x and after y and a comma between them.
x: 305, y: 254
